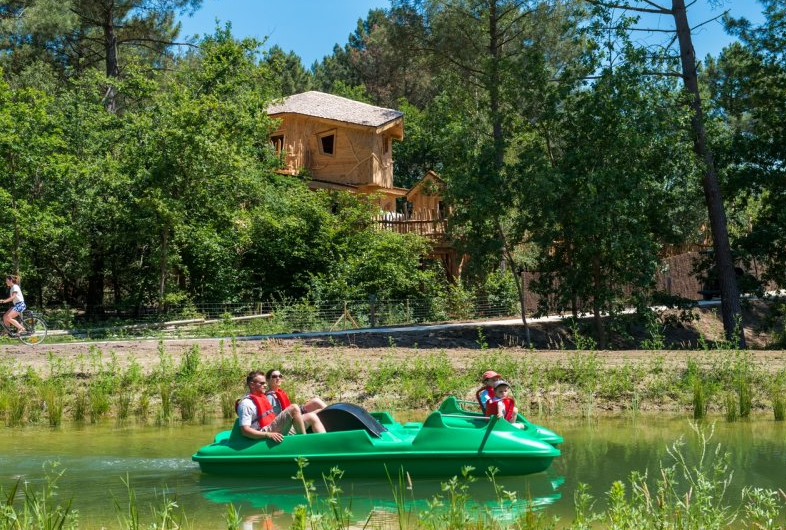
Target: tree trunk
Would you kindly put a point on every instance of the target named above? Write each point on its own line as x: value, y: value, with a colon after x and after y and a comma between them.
x: 511, y: 263
x: 17, y: 240
x: 162, y: 267
x: 95, y: 283
x: 112, y: 63
x: 493, y: 88
x: 730, y: 296
x: 596, y: 306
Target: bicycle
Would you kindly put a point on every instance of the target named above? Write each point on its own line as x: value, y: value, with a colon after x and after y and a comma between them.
x: 35, y: 329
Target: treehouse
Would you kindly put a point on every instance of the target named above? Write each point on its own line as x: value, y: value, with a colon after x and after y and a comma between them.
x: 347, y: 145
x: 340, y: 143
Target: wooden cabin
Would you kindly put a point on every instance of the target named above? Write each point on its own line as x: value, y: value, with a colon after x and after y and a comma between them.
x: 347, y: 145
x: 342, y: 144
x: 424, y: 199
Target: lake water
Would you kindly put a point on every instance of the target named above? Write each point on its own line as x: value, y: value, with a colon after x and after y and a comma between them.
x: 96, y: 458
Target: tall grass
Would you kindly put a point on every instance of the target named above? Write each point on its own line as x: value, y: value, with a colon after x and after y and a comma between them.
x: 228, y: 405
x: 194, y: 388
x: 39, y: 509
x: 98, y: 402
x: 187, y: 400
x: 778, y: 404
x: 123, y: 405
x: 52, y: 395
x: 730, y: 405
x: 699, y: 399
x: 79, y: 407
x: 14, y: 404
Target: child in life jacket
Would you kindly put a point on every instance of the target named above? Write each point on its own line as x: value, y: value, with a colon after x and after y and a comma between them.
x: 502, y: 404
x: 486, y: 392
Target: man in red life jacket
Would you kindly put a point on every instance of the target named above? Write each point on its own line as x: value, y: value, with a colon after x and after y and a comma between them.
x: 502, y: 404
x: 259, y: 420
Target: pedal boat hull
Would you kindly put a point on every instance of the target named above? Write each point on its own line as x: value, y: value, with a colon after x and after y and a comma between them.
x: 441, y: 446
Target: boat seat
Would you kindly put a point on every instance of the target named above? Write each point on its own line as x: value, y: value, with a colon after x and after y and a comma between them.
x: 348, y: 417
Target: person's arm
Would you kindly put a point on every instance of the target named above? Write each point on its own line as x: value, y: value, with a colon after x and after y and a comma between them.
x: 250, y: 432
x: 246, y: 414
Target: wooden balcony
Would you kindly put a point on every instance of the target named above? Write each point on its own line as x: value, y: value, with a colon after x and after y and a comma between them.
x: 424, y: 223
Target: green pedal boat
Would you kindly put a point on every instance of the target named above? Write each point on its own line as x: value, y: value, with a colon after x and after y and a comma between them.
x: 364, y: 444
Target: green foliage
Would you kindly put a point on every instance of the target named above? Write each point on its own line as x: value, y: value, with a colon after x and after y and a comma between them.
x: 39, y: 508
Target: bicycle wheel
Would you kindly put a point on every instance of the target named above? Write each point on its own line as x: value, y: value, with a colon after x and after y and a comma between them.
x: 35, y: 330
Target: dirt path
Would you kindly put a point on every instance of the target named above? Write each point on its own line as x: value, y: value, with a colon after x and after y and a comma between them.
x: 351, y: 348
x: 552, y: 341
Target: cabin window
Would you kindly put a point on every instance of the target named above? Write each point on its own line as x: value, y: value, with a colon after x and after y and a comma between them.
x: 327, y: 143
x: 278, y: 142
x: 386, y: 145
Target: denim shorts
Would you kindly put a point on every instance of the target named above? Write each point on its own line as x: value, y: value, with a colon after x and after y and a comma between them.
x: 19, y: 307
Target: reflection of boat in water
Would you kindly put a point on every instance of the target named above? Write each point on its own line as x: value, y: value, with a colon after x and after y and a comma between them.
x: 373, y: 445
x: 368, y: 496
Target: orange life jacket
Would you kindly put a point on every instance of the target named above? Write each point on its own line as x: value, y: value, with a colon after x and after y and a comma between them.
x: 492, y: 407
x: 265, y: 412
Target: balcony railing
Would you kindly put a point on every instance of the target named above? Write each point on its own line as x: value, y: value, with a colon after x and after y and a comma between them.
x: 425, y: 223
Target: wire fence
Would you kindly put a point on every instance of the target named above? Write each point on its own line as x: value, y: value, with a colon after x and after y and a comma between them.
x: 251, y: 318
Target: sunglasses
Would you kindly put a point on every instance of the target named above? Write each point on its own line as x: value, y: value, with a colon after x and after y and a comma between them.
x: 276, y: 376
x: 259, y: 382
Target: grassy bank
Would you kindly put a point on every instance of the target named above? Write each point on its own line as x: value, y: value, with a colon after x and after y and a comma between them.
x: 190, y: 386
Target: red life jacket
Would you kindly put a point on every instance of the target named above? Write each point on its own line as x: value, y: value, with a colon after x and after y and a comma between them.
x: 493, y: 406
x: 265, y: 412
x: 282, y: 397
x: 477, y: 396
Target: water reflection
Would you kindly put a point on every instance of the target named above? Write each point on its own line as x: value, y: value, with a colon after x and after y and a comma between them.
x: 267, y: 499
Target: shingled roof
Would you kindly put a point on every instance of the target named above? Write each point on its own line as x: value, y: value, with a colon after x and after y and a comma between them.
x: 330, y: 107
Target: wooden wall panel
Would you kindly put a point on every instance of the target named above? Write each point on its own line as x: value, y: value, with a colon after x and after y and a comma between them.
x: 358, y: 158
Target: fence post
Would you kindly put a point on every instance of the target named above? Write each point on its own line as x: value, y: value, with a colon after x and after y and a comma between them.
x: 409, y: 318
x: 372, y: 309
x: 345, y: 315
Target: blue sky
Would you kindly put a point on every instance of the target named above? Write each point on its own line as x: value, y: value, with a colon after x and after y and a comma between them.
x: 311, y: 28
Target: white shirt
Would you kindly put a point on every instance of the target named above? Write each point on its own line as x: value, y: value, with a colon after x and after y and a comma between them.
x: 247, y: 412
x: 16, y: 292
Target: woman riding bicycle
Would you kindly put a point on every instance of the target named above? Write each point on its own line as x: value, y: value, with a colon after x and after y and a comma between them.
x: 15, y: 296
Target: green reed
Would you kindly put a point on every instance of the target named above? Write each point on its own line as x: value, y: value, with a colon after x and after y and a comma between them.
x: 142, y: 411
x: 165, y: 393
x: 232, y: 517
x: 730, y: 407
x: 228, y: 405
x: 187, y: 400
x: 14, y: 404
x: 123, y: 405
x: 778, y: 404
x: 98, y: 402
x: 745, y: 397
x: 699, y: 398
x: 37, y: 509
x: 54, y: 402
x: 79, y: 406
